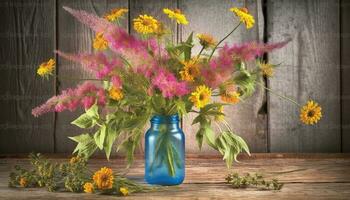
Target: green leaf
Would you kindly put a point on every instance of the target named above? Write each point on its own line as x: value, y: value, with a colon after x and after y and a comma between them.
x: 100, y: 137
x: 209, y: 136
x: 86, y: 145
x: 188, y: 47
x: 199, y: 137
x: 92, y: 112
x: 84, y: 121
x: 110, y: 138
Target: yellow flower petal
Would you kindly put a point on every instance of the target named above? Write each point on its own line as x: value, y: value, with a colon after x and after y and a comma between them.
x: 124, y: 191
x: 177, y: 15
x: 190, y: 70
x: 103, y: 178
x: 46, y: 68
x: 115, y: 14
x: 244, y: 16
x: 88, y: 187
x: 100, y: 43
x: 145, y: 24
x: 201, y: 96
x: 116, y: 94
x: 310, y: 113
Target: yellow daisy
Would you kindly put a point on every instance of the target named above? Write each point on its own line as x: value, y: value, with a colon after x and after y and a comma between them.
x: 177, y: 15
x: 115, y: 14
x: 190, y: 70
x: 201, y: 96
x: 244, y: 16
x: 23, y: 182
x: 116, y: 93
x: 266, y: 68
x: 206, y: 40
x: 145, y: 24
x: 46, y: 68
x: 310, y: 113
x: 88, y: 187
x: 103, y: 178
x: 124, y: 191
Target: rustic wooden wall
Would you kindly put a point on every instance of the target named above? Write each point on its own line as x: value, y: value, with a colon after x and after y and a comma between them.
x: 315, y: 65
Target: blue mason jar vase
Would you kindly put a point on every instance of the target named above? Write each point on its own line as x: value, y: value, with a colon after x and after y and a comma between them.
x: 165, y: 151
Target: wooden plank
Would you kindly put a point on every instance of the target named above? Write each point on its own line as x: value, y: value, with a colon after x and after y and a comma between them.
x: 345, y: 71
x: 337, y: 191
x: 303, y: 178
x: 75, y: 37
x: 310, y: 69
x: 216, y: 19
x: 287, y: 170
x: 27, y: 37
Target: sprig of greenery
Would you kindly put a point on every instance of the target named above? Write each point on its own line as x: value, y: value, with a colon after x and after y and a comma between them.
x: 69, y: 176
x: 255, y: 180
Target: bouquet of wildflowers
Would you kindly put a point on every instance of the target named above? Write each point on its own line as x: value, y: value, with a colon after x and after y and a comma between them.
x: 138, y: 77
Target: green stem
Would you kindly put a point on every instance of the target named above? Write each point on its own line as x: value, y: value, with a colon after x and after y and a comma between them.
x: 279, y: 95
x: 216, y: 46
x: 200, y: 52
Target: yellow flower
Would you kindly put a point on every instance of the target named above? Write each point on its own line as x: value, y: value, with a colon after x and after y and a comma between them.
x: 116, y: 93
x: 88, y: 187
x: 177, y: 15
x: 23, y: 182
x: 244, y: 16
x: 206, y: 40
x: 103, y: 178
x: 201, y: 96
x: 124, y: 191
x: 229, y: 94
x: 74, y: 159
x: 266, y: 68
x: 160, y: 30
x: 145, y: 24
x: 190, y: 70
x: 310, y: 113
x: 46, y: 68
x: 100, y: 43
x: 115, y: 14
x: 220, y: 117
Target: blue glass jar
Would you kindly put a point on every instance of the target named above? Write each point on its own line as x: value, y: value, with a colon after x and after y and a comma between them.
x: 165, y: 151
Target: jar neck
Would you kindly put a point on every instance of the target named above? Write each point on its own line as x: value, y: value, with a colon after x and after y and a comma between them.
x: 171, y: 121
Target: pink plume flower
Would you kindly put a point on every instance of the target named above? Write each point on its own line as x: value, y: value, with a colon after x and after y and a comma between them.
x: 85, y: 95
x: 166, y: 82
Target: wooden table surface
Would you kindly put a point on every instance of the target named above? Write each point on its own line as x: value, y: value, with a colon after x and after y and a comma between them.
x: 306, y: 176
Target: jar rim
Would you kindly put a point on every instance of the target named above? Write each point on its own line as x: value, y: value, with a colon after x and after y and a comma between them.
x: 165, y: 119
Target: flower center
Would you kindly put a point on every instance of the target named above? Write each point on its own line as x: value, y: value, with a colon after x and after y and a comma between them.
x: 311, y: 113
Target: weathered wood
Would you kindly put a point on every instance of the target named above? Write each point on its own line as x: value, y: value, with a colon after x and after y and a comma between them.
x: 310, y: 70
x: 27, y: 37
x: 345, y: 71
x: 313, y: 178
x: 75, y: 37
x: 216, y: 19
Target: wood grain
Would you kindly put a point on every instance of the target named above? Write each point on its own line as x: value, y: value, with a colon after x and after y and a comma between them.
x: 27, y: 37
x: 74, y: 37
x: 345, y: 73
x: 310, y: 70
x: 216, y: 19
x: 313, y: 178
